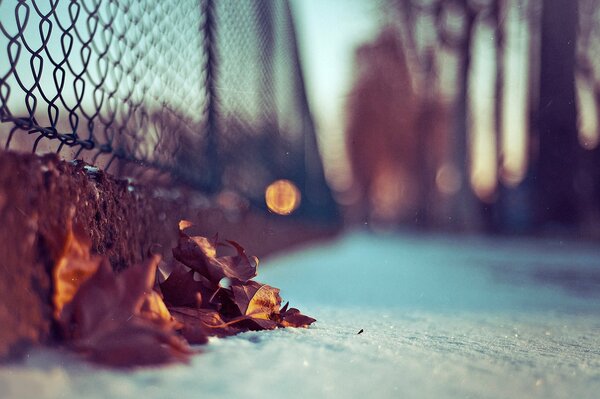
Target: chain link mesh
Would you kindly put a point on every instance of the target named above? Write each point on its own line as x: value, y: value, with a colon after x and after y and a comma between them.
x: 209, y: 91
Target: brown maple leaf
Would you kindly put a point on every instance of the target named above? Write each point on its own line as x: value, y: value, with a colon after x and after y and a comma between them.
x: 222, y: 301
x: 181, y: 288
x: 73, y: 263
x: 153, y: 308
x: 241, y: 266
x: 293, y: 318
x: 259, y: 301
x: 245, y: 304
x: 119, y: 320
x: 136, y: 342
x: 199, y: 324
x: 199, y: 254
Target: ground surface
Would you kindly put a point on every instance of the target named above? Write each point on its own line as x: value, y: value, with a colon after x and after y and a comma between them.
x: 38, y: 194
x: 125, y: 221
x: 442, y: 317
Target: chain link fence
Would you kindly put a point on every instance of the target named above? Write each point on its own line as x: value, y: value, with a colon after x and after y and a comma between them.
x: 208, y: 91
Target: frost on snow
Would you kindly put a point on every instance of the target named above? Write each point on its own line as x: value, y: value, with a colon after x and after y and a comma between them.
x: 441, y: 318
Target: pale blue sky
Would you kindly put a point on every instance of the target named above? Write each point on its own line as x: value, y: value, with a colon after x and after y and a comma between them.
x: 328, y: 33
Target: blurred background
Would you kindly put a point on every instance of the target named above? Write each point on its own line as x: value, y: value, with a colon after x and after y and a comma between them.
x: 454, y: 115
x: 458, y: 115
x: 279, y: 122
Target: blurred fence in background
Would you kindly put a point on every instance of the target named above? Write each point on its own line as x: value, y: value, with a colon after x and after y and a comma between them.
x: 209, y: 92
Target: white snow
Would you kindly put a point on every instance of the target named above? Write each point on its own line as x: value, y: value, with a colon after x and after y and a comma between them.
x: 442, y: 318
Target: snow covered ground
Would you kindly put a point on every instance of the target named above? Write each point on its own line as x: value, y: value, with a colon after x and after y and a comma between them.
x: 441, y: 318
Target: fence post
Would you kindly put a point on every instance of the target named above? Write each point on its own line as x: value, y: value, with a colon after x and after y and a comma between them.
x: 214, y: 172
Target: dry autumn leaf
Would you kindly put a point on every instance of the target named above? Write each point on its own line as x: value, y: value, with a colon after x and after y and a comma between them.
x: 73, y: 266
x: 199, y: 324
x: 241, y: 266
x: 181, y: 289
x: 194, y: 252
x: 153, y: 308
x: 293, y: 318
x: 199, y: 254
x: 244, y: 305
x: 222, y: 301
x: 115, y: 314
x: 120, y: 320
x: 259, y: 301
x: 136, y: 342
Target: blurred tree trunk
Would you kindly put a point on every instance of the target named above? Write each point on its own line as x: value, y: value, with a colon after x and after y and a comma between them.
x: 499, y: 15
x: 424, y: 126
x: 557, y: 116
x: 596, y: 172
x: 464, y: 203
x: 494, y: 213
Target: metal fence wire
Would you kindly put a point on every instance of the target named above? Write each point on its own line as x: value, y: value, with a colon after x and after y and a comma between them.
x: 209, y: 91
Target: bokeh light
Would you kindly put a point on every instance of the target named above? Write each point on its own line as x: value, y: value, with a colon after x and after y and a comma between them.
x: 282, y: 197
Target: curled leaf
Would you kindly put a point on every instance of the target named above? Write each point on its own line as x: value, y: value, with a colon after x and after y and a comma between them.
x: 223, y: 301
x: 199, y: 324
x: 136, y: 342
x: 254, y: 324
x: 153, y: 308
x: 92, y: 303
x: 119, y: 320
x: 241, y: 266
x: 293, y: 318
x: 182, y: 289
x: 73, y: 266
x: 260, y: 301
x: 148, y: 316
x: 241, y: 305
x: 199, y: 254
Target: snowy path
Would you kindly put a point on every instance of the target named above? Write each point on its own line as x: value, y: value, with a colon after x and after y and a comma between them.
x: 442, y: 318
